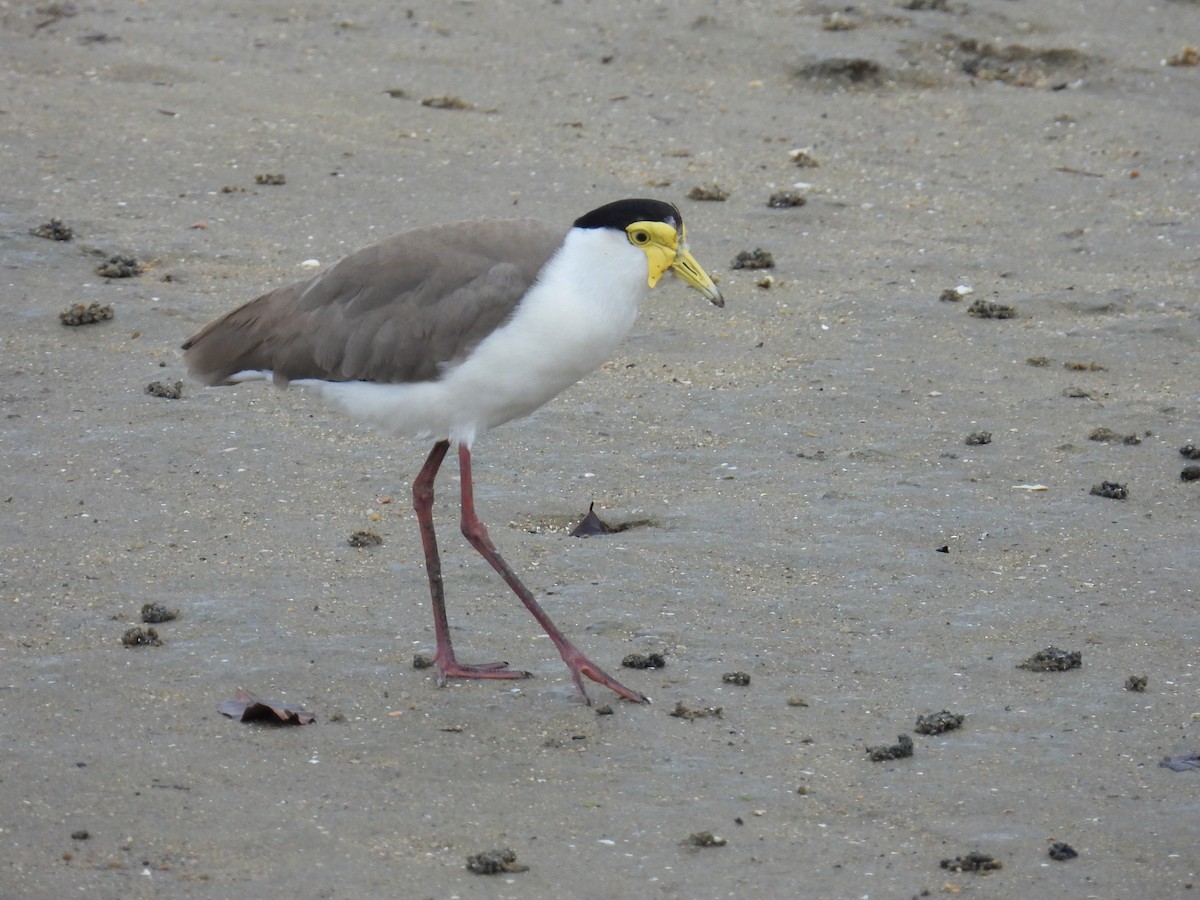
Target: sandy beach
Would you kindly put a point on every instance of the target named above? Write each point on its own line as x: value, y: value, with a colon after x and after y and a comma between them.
x: 940, y: 434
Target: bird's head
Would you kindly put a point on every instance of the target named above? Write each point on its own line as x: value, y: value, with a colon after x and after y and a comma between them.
x: 656, y: 228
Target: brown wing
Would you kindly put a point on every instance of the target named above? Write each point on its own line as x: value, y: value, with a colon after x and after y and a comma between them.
x: 396, y: 311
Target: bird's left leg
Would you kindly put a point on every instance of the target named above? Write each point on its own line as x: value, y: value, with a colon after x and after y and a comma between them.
x: 475, y: 532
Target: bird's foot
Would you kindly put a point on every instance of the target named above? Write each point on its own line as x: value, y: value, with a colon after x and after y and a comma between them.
x: 581, y: 667
x: 451, y: 668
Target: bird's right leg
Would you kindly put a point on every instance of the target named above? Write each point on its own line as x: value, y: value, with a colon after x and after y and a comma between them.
x: 447, y: 665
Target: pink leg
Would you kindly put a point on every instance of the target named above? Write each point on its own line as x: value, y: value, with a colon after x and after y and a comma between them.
x: 447, y: 665
x: 476, y: 533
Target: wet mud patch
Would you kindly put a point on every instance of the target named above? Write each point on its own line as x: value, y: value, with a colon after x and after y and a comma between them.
x: 845, y: 71
x: 1017, y: 65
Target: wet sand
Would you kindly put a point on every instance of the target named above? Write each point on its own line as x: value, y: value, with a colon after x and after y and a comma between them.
x: 807, y: 508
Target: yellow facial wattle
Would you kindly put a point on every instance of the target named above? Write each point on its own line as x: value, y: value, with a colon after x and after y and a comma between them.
x: 666, y: 248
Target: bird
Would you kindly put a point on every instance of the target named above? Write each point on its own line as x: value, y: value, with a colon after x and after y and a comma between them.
x: 445, y: 332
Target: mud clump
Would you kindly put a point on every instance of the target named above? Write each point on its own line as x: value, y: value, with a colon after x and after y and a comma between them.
x: 1052, y: 660
x: 494, y: 862
x: 119, y: 267
x: 938, y: 722
x: 168, y: 390
x: 644, y: 661
x: 156, y: 614
x: 986, y: 309
x: 137, y: 636
x: 1062, y: 851
x: 362, y: 539
x: 1110, y: 490
x: 79, y: 314
x: 54, y: 230
x: 757, y: 258
x: 690, y: 713
x: 712, y: 193
x: 902, y: 749
x: 786, y: 200
x: 973, y: 862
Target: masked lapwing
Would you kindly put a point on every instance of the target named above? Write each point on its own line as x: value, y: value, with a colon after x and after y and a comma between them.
x: 448, y: 331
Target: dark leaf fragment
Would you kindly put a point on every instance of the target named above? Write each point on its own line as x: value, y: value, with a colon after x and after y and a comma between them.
x: 247, y: 708
x: 1181, y: 763
x: 591, y: 524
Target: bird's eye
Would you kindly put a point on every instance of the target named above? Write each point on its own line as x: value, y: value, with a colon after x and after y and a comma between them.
x: 640, y: 237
